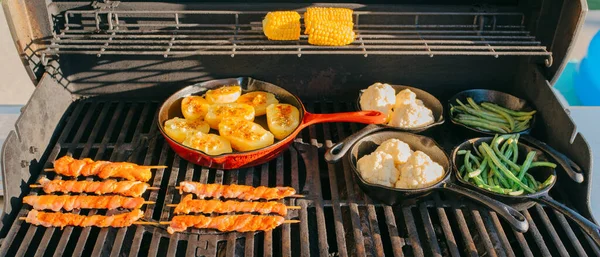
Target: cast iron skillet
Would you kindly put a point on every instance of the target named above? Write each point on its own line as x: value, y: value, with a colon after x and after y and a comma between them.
x: 391, y: 196
x: 337, y: 151
x: 526, y: 201
x: 515, y: 103
x: 172, y: 108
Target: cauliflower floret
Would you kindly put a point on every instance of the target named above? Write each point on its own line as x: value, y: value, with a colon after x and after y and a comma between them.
x: 378, y: 97
x: 378, y: 168
x: 419, y: 171
x: 399, y: 150
x: 410, y: 112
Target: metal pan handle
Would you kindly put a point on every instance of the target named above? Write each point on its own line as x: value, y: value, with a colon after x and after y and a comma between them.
x: 337, y: 151
x: 587, y: 226
x: 512, y: 216
x: 572, y: 169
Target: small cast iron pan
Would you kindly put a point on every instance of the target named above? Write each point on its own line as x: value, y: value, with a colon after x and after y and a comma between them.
x: 337, y: 151
x: 526, y: 201
x: 172, y: 108
x: 515, y: 103
x: 392, y: 196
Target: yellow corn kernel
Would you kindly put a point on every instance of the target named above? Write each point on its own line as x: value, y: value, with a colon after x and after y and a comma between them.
x: 282, y: 25
x: 331, y: 33
x: 316, y: 14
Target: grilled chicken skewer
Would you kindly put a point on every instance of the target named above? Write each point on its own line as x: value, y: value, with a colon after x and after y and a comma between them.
x: 189, y: 205
x: 242, y: 192
x: 68, y: 166
x: 226, y: 223
x: 57, y: 219
x: 124, y: 188
x: 70, y: 202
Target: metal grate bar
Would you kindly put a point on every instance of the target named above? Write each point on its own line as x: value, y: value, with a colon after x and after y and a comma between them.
x: 268, y: 235
x: 448, y: 234
x: 304, y: 242
x: 501, y: 241
x: 249, y: 236
x: 547, y: 223
x: 231, y: 238
x: 351, y: 187
x: 413, y: 237
x: 565, y: 225
x: 429, y: 231
x: 483, y: 233
x: 464, y: 231
x: 224, y: 34
x: 286, y: 238
x: 537, y: 236
x: 397, y: 241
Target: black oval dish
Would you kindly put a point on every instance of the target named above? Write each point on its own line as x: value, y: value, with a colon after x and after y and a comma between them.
x: 526, y: 201
x: 518, y: 104
x: 392, y: 196
x: 337, y: 151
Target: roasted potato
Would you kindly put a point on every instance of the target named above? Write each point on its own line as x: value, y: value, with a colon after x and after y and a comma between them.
x: 223, y: 95
x: 194, y: 107
x: 178, y: 128
x: 259, y: 100
x: 217, y: 112
x: 282, y: 119
x: 245, y: 135
x: 210, y: 144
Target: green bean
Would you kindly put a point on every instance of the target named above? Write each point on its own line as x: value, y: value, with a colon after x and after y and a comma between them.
x: 515, y: 147
x: 523, y: 118
x: 503, y: 157
x: 504, y: 115
x: 536, y: 184
x: 548, y: 182
x: 515, y: 193
x: 509, y: 111
x: 543, y: 164
x: 473, y: 104
x: 482, y: 126
x: 490, y: 180
x: 526, y: 164
x: 461, y: 152
x: 501, y: 179
x: 471, y: 111
x: 470, y: 117
x: 501, y: 167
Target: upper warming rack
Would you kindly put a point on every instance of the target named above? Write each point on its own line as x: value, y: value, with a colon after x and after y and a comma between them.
x: 186, y: 33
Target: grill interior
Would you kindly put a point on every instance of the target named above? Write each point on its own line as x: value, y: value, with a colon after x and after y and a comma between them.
x: 336, y: 217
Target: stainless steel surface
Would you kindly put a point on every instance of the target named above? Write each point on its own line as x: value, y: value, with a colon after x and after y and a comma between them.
x: 172, y: 33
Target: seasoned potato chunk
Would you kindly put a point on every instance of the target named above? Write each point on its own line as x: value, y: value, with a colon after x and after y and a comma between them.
x: 210, y: 144
x: 282, y: 119
x: 259, y: 100
x: 194, y: 107
x: 223, y: 95
x: 178, y: 128
x: 217, y: 112
x: 245, y: 135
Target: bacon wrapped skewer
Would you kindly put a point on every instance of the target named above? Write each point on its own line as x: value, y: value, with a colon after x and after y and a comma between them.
x: 70, y: 202
x: 57, y: 219
x: 225, y: 223
x: 68, y: 166
x: 242, y: 192
x: 188, y: 205
x: 124, y: 188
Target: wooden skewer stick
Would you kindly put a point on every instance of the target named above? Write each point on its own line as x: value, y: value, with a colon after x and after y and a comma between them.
x: 40, y: 186
x: 294, y: 196
x: 137, y: 222
x: 288, y: 207
x: 149, y: 167
x: 284, y: 222
x: 149, y: 202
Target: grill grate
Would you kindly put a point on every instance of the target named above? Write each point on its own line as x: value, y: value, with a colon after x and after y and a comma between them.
x: 177, y: 33
x: 336, y: 217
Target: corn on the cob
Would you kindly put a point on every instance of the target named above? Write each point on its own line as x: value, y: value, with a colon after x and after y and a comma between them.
x: 314, y: 15
x: 282, y: 25
x: 331, y: 33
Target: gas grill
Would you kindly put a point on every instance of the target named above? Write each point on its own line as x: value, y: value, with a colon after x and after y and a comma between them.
x: 102, y: 69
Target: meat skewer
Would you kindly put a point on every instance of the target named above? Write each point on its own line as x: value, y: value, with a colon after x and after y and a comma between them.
x: 68, y: 166
x: 226, y: 223
x: 57, y: 219
x: 189, y: 205
x: 242, y: 192
x: 124, y: 188
x: 70, y: 202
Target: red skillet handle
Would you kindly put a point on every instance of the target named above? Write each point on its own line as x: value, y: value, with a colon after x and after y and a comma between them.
x: 367, y: 117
